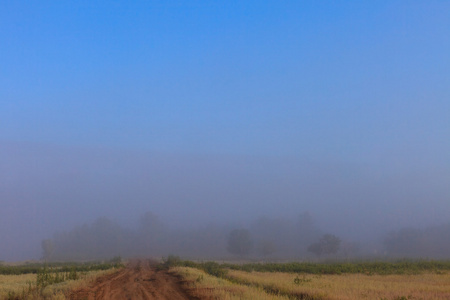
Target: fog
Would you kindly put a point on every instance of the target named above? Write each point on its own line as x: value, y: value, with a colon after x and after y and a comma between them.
x: 49, y: 192
x: 154, y: 127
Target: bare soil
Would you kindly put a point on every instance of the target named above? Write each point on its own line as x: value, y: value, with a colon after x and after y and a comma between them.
x: 140, y: 279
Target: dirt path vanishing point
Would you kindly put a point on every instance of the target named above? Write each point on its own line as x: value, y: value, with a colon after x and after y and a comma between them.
x: 138, y: 280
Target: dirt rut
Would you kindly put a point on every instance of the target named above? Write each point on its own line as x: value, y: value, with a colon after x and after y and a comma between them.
x: 139, y: 280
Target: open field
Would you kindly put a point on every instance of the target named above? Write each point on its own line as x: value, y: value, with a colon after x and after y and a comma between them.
x: 348, y: 286
x: 411, y: 280
x: 205, y: 286
x: 25, y: 287
x: 49, y: 281
x: 146, y: 279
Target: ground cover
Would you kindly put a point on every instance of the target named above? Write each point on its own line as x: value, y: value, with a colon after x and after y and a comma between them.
x: 361, y: 267
x: 35, y: 267
x: 148, y: 279
x: 347, y: 286
x: 205, y: 286
x: 24, y: 286
x: 49, y: 281
x: 319, y: 281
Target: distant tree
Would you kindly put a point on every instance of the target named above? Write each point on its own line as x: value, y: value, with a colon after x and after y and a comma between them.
x: 267, y: 248
x: 306, y: 231
x: 239, y: 242
x: 349, y: 249
x: 103, y: 238
x: 316, y: 248
x: 328, y: 244
x: 152, y: 233
x: 150, y: 223
x: 432, y: 242
x: 405, y: 242
x: 47, y: 249
x: 281, y: 232
x: 305, y: 221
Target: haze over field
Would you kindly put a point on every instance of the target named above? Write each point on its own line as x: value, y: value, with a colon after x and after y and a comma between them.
x: 220, y: 114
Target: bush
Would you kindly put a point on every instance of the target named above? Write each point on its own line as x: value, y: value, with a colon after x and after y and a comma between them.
x: 214, y: 269
x: 172, y: 261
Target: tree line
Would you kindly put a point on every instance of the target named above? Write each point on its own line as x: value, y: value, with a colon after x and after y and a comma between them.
x: 265, y: 237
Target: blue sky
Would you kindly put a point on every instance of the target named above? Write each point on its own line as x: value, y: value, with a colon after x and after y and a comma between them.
x: 113, y: 108
x: 240, y: 77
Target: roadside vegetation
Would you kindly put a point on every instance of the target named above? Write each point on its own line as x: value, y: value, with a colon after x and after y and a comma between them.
x: 336, y: 268
x: 347, y: 286
x: 400, y: 280
x: 60, y: 267
x: 50, y: 280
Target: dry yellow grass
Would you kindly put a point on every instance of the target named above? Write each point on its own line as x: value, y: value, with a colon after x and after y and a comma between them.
x: 351, y: 286
x: 205, y: 286
x: 16, y: 284
x: 24, y: 286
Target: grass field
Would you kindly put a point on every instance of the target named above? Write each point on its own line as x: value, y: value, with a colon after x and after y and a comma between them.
x: 48, y: 281
x: 401, y: 280
x: 348, y: 286
x: 380, y: 281
x: 24, y: 286
x: 206, y: 286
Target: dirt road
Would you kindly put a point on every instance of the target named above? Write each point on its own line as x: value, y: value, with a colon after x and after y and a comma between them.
x: 139, y: 280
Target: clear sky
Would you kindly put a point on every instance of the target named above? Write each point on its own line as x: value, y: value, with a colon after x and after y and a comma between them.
x: 342, y: 83
x: 346, y: 79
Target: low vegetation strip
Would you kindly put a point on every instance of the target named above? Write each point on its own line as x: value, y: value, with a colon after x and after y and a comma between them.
x: 368, y: 268
x: 331, y: 268
x: 64, y: 267
x: 26, y: 286
x: 49, y: 281
x: 210, y: 267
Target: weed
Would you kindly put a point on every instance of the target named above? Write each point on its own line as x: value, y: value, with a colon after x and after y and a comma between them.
x: 298, y: 280
x: 214, y: 269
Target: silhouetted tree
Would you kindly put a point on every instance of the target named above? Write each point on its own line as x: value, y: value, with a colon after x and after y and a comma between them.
x: 47, y: 249
x: 349, y: 249
x: 150, y: 223
x: 328, y: 244
x: 103, y: 238
x: 305, y: 221
x: 267, y: 248
x: 279, y: 231
x: 405, y: 242
x: 153, y: 233
x: 240, y: 242
x: 306, y: 231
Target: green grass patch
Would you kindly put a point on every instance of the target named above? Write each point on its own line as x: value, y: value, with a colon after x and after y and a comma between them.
x: 62, y: 267
x: 368, y: 268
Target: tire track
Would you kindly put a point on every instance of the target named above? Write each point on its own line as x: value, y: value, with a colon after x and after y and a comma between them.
x: 139, y: 280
